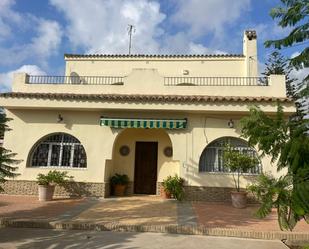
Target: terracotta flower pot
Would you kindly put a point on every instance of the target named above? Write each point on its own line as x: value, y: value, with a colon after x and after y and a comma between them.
x: 119, y: 190
x: 239, y: 199
x: 165, y: 194
x: 46, y: 192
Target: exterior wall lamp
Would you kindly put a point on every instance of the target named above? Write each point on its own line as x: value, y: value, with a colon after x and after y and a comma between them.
x: 59, y: 119
x: 230, y: 123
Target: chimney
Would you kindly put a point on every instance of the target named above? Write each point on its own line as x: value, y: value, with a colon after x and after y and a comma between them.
x: 250, y: 53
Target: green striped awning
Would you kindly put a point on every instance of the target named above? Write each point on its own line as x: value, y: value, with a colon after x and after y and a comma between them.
x: 144, y: 123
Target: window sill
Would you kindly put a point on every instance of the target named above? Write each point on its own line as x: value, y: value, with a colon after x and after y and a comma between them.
x: 55, y: 167
x: 227, y: 173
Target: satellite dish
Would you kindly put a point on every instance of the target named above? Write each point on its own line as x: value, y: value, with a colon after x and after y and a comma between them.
x: 75, y: 78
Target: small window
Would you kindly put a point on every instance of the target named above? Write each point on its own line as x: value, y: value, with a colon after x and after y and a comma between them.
x: 211, y: 159
x: 59, y: 150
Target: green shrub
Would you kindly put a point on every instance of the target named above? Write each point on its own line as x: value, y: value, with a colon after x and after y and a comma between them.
x: 238, y: 163
x: 53, y: 177
x: 119, y: 179
x: 174, y: 186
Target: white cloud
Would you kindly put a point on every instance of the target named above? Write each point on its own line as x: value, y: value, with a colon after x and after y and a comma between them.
x: 203, y: 17
x: 299, y: 74
x: 7, y: 16
x: 271, y: 30
x: 180, y: 43
x: 45, y: 40
x: 295, y: 54
x: 48, y: 38
x: 7, y: 78
x: 102, y: 25
x: 44, y: 44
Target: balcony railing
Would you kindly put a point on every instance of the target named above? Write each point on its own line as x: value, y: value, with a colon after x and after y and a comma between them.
x: 216, y: 81
x: 168, y: 81
x: 75, y: 80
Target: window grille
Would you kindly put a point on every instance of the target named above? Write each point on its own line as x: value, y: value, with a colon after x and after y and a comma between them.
x: 59, y: 150
x: 212, y: 160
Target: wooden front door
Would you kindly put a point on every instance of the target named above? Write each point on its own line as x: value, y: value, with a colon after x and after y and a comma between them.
x: 145, y: 174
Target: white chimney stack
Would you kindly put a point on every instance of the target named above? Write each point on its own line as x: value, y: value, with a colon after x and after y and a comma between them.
x: 250, y: 53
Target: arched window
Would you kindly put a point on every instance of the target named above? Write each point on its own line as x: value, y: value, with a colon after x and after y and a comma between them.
x: 59, y: 150
x: 211, y: 159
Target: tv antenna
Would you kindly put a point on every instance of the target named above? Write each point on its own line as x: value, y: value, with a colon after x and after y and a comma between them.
x: 131, y: 30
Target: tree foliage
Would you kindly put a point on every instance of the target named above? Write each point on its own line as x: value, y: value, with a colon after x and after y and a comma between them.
x: 287, y: 142
x: 3, y: 123
x: 7, y: 161
x: 238, y: 163
x: 272, y: 192
x: 293, y: 13
x: 278, y: 64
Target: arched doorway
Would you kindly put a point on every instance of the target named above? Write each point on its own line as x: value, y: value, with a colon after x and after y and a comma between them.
x: 145, y: 155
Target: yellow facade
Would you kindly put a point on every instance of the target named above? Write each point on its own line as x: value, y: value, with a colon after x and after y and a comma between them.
x: 35, y: 116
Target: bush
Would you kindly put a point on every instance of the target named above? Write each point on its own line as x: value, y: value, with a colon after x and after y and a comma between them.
x: 238, y: 163
x: 118, y: 179
x: 53, y: 177
x: 174, y: 186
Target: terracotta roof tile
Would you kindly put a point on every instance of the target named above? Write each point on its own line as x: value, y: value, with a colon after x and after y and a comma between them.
x: 148, y: 56
x: 138, y: 97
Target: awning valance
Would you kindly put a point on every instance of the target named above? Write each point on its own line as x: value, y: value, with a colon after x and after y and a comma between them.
x: 144, y: 123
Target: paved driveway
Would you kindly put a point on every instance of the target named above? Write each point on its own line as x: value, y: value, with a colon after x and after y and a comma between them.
x: 141, y: 210
x: 21, y: 206
x: 51, y: 239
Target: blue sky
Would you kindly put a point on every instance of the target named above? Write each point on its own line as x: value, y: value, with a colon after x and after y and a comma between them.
x: 34, y: 35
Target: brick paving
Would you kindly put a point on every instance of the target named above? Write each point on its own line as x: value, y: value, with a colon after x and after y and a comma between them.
x: 140, y: 210
x: 223, y: 215
x: 135, y: 210
x: 17, y: 206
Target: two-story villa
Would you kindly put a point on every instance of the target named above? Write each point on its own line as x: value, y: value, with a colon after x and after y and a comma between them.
x: 147, y: 116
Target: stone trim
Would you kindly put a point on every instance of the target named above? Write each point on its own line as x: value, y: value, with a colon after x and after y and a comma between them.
x: 192, y: 193
x: 210, y: 194
x: 171, y: 229
x: 22, y: 187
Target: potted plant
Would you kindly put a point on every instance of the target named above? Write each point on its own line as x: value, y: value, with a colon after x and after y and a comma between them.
x: 47, y: 183
x: 172, y: 186
x: 238, y: 163
x: 119, y: 183
x: 165, y: 189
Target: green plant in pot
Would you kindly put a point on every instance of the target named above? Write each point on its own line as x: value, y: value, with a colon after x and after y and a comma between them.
x: 238, y: 163
x: 119, y: 184
x: 172, y: 186
x: 47, y: 183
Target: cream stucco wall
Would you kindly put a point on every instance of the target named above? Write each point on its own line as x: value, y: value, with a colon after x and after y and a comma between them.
x: 125, y: 164
x: 102, y: 144
x: 198, y: 67
x: 30, y: 126
x: 202, y: 130
x: 149, y: 81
